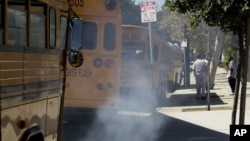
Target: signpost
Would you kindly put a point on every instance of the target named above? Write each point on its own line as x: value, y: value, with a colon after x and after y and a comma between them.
x: 148, y: 14
x: 184, y: 45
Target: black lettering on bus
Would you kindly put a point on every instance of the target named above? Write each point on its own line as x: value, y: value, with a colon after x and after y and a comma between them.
x: 135, y: 37
x: 67, y: 85
x: 131, y: 37
x: 125, y: 36
x: 77, y: 3
x: 71, y: 72
x: 80, y: 73
x: 85, y: 73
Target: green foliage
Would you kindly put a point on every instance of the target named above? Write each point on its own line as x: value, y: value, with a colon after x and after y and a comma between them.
x: 226, y: 14
x: 231, y: 45
x: 170, y: 23
x: 131, y: 13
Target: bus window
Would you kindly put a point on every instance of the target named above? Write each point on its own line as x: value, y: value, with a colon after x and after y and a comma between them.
x: 76, y: 34
x: 89, y: 35
x: 63, y: 30
x: 37, y: 30
x: 52, y: 28
x: 1, y: 35
x: 1, y: 28
x: 0, y: 15
x: 155, y: 53
x: 17, y: 34
x: 132, y: 51
x: 109, y: 36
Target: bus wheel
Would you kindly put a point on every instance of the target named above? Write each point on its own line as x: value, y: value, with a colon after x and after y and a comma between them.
x: 162, y: 91
x: 176, y: 80
x: 181, y: 78
x: 33, y: 134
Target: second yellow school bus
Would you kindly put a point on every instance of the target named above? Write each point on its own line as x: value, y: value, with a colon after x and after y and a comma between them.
x: 96, y: 84
x: 139, y: 82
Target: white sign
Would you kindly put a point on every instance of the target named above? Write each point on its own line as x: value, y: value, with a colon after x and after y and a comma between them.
x: 184, y: 43
x: 148, y: 12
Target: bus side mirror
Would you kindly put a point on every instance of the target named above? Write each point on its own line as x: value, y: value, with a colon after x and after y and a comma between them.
x: 75, y: 57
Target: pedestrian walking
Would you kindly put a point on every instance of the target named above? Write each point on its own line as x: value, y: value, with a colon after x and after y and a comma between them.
x: 231, y: 73
x: 200, y: 74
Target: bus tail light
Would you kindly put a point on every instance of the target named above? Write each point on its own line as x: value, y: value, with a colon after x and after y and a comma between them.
x: 109, y: 63
x: 110, y: 85
x: 99, y: 86
x: 97, y: 62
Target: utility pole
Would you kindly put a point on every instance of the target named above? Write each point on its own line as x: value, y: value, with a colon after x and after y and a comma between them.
x: 187, y: 58
x: 208, y: 71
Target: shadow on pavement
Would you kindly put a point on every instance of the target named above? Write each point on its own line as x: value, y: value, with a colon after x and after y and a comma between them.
x: 178, y: 130
x: 135, y: 127
x: 191, y: 99
x: 192, y: 86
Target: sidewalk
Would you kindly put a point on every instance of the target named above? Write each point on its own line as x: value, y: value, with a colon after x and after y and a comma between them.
x: 183, y: 105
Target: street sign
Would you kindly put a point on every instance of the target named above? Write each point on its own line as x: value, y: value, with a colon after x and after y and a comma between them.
x: 148, y: 12
x: 184, y: 43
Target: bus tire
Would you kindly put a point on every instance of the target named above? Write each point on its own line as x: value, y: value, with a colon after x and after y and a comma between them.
x: 33, y: 134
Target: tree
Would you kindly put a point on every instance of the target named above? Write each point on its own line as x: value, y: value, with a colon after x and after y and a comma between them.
x: 131, y: 13
x: 229, y: 15
x: 170, y: 25
x: 215, y: 59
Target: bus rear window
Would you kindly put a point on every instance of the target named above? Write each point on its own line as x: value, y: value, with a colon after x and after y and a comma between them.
x: 109, y: 36
x: 89, y: 35
x: 133, y: 51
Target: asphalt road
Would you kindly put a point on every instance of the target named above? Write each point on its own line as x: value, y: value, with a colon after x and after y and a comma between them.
x: 102, y: 125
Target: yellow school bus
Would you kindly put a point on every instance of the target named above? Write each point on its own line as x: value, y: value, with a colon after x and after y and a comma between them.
x: 138, y: 80
x: 32, y: 44
x: 95, y: 84
x: 174, y: 58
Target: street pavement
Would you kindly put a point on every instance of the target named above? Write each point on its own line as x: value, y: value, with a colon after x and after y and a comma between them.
x: 184, y: 105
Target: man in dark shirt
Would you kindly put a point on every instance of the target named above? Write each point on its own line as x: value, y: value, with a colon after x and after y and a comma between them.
x: 231, y: 75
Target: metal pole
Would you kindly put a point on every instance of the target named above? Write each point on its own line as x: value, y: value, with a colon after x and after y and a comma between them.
x: 153, y: 72
x: 185, y: 70
x: 208, y: 72
x: 187, y: 60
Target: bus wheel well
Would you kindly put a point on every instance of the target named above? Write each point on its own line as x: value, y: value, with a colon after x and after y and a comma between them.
x: 33, y: 134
